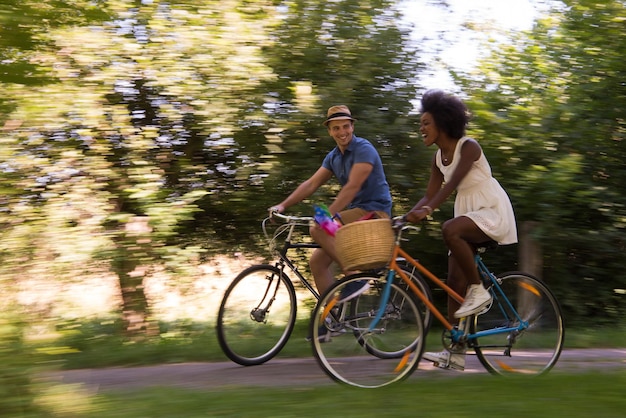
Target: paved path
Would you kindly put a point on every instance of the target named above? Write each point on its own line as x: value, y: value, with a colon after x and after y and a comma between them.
x: 290, y: 372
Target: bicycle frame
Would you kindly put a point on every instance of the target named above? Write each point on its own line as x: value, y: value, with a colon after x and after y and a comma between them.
x: 285, y: 260
x: 391, y: 326
x: 456, y: 334
x: 499, y: 294
x: 394, y: 268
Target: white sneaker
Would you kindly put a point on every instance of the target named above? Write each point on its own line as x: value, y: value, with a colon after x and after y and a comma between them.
x: 447, y: 360
x: 476, y: 299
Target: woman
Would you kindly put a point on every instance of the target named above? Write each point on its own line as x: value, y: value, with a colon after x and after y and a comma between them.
x: 482, y: 209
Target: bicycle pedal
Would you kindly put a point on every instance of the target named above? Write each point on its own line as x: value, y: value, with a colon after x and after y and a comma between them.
x: 456, y: 367
x: 455, y: 362
x: 440, y: 365
x: 449, y: 366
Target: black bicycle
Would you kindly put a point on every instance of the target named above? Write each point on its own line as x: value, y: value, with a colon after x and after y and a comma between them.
x: 259, y: 308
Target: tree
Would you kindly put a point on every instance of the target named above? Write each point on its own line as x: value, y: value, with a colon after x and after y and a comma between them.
x: 109, y: 160
x: 155, y: 119
x: 551, y: 105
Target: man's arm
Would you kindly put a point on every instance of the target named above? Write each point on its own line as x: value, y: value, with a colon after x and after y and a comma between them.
x: 305, y: 189
x: 358, y: 174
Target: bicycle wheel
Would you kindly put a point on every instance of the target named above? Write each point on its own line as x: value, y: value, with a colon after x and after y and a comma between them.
x: 345, y: 334
x: 535, y: 349
x: 257, y: 315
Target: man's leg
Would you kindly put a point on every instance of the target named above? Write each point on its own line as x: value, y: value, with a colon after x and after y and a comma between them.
x: 320, y: 262
x: 322, y: 259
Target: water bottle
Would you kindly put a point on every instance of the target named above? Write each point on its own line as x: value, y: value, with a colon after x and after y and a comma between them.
x: 325, y: 220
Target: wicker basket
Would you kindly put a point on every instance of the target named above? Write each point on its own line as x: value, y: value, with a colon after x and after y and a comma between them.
x: 365, y: 245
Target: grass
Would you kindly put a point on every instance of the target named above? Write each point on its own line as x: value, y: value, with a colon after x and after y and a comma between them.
x: 553, y: 395
x: 98, y: 344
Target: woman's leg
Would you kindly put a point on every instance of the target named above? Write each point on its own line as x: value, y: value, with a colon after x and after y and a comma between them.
x: 457, y: 234
x: 458, y: 282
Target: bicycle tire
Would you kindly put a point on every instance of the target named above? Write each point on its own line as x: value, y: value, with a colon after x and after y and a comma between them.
x: 534, y: 350
x: 345, y: 355
x: 257, y: 315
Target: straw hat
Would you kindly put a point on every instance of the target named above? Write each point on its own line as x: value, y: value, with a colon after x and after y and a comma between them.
x: 339, y: 112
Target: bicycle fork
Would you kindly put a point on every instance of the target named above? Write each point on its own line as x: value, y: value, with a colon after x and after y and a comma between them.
x: 260, y: 313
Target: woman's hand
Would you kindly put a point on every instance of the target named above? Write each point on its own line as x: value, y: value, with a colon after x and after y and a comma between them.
x: 417, y: 215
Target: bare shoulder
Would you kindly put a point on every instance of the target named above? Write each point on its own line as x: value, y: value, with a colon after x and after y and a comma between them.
x: 471, y: 148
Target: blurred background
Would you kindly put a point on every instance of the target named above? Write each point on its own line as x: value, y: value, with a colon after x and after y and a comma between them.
x: 143, y: 141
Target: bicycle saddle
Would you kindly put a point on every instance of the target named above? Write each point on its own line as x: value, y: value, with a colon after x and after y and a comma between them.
x: 484, y: 246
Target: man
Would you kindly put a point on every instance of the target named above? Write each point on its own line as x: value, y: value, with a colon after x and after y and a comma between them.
x: 364, y: 188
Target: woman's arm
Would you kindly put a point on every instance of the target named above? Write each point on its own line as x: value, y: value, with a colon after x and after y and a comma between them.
x: 435, y: 194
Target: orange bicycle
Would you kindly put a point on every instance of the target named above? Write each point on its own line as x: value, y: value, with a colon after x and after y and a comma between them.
x: 377, y: 338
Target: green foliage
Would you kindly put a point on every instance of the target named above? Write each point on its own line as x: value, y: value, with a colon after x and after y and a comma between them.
x: 16, y: 370
x: 154, y: 125
x: 101, y: 343
x: 145, y: 135
x: 550, y: 108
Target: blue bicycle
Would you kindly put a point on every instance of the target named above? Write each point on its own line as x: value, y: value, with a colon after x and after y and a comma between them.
x: 378, y: 337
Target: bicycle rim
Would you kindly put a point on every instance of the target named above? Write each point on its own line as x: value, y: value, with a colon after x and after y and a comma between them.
x: 344, y: 353
x: 257, y: 315
x: 534, y: 350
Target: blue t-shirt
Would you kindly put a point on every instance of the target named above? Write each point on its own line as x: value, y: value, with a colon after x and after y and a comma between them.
x: 374, y: 194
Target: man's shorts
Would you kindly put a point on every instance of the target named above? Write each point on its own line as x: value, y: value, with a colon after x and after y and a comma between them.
x: 352, y: 215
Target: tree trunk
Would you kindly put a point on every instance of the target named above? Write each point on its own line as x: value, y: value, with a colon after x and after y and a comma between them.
x: 530, y: 254
x: 133, y: 251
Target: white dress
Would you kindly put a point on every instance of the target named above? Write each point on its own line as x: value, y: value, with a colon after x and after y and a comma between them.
x: 481, y: 198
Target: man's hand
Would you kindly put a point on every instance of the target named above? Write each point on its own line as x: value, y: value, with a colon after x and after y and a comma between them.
x: 276, y: 208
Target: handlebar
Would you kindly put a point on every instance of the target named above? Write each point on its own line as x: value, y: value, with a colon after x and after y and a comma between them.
x: 398, y: 222
x: 291, y: 222
x: 401, y: 224
x: 290, y: 218
x: 287, y: 228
